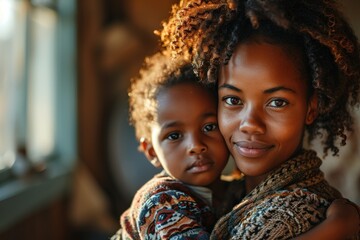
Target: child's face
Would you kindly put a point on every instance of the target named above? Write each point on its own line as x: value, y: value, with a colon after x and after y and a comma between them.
x: 186, y: 138
x: 263, y: 107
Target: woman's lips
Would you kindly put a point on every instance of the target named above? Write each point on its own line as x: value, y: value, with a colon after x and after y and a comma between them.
x: 252, y: 149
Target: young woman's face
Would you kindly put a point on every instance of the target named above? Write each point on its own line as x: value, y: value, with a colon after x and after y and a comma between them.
x: 263, y: 107
x: 186, y: 137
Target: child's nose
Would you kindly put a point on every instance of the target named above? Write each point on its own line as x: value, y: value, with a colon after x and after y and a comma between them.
x: 196, y: 146
x: 252, y: 123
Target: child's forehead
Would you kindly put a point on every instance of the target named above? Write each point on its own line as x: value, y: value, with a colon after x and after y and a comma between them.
x: 187, y: 103
x: 187, y: 88
x: 186, y: 94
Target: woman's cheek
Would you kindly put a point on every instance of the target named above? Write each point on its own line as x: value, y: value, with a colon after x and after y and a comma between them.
x: 226, y: 123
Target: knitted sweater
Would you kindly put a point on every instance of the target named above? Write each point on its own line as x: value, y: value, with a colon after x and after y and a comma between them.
x: 289, y: 202
x: 165, y: 208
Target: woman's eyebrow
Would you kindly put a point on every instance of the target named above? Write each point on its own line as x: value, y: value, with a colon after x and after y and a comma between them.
x: 267, y: 91
x: 279, y: 88
x: 225, y: 85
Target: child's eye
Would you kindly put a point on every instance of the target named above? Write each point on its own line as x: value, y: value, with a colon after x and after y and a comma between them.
x: 173, y: 136
x: 210, y: 127
x: 232, y: 100
x: 278, y: 103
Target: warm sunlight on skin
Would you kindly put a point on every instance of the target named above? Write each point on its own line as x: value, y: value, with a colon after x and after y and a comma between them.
x: 186, y: 138
x: 263, y: 108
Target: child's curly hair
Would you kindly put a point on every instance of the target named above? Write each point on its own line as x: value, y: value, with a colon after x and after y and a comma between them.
x: 207, y: 32
x: 159, y: 72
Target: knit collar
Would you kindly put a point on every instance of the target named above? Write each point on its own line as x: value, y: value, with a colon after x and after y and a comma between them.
x: 299, y: 171
x: 293, y: 171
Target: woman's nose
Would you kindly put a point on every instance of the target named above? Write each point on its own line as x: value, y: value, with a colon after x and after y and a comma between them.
x: 252, y: 123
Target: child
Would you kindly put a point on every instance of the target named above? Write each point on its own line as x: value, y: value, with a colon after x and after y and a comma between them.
x: 185, y: 141
x: 281, y: 67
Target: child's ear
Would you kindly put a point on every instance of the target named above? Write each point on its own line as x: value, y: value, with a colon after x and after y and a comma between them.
x: 312, y: 111
x: 149, y: 151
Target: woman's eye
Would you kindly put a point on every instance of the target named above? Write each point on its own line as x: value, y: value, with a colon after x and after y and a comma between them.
x: 278, y: 103
x: 173, y: 136
x: 232, y: 100
x: 210, y: 127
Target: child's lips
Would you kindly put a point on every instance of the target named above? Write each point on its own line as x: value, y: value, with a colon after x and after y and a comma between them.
x: 252, y: 149
x: 200, y: 166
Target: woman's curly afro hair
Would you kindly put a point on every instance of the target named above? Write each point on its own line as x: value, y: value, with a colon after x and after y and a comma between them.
x: 207, y: 32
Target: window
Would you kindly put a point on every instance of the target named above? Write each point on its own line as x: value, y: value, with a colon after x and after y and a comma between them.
x: 37, y: 101
x: 12, y: 29
x: 41, y: 85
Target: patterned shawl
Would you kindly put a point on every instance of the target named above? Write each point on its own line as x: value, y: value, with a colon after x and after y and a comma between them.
x: 290, y: 201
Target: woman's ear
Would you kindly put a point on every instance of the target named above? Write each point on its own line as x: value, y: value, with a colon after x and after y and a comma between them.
x: 147, y: 148
x: 312, y: 111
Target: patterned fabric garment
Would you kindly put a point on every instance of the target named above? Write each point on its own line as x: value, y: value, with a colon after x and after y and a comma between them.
x: 290, y: 201
x: 165, y: 208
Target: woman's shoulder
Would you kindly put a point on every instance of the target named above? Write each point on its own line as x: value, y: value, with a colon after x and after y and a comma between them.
x: 285, y: 213
x: 299, y: 204
x: 296, y: 202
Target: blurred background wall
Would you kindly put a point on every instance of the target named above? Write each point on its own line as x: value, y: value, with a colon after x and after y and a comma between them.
x: 113, y: 37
